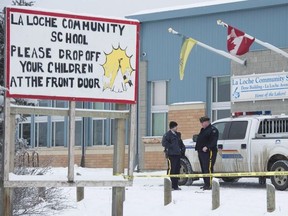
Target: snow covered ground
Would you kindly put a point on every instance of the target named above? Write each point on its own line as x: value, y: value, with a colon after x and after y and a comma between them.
x: 146, y: 197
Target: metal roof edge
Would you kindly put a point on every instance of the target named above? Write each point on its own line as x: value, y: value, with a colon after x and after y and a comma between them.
x: 204, y: 10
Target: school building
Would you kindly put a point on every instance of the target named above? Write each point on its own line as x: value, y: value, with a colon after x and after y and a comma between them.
x: 162, y: 96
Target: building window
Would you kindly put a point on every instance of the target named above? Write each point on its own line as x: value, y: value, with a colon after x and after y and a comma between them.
x: 41, y: 134
x: 25, y: 132
x: 159, y: 93
x: 98, y: 132
x: 58, y: 133
x: 159, y: 108
x: 52, y: 131
x: 60, y: 104
x: 44, y: 103
x: 98, y: 106
x: 159, y: 123
x: 220, y: 97
x: 221, y: 89
x: 78, y: 132
x: 98, y: 126
x: 220, y: 112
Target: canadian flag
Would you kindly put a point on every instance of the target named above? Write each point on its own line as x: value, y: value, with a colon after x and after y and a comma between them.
x: 238, y: 43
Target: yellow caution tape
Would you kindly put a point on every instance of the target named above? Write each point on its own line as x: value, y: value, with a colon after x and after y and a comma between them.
x: 198, y: 175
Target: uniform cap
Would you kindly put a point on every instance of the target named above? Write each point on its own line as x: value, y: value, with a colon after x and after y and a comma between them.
x: 204, y: 118
x: 172, y: 124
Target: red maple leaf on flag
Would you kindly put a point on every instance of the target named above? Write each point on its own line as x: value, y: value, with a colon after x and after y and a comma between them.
x: 238, y: 43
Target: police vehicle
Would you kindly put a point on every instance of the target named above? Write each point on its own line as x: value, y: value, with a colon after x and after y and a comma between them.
x: 247, y: 143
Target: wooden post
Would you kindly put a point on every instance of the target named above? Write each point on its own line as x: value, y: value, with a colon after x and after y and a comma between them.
x: 71, y: 141
x: 41, y: 192
x: 7, y: 192
x: 270, y: 197
x: 7, y: 140
x: 1, y: 176
x: 80, y: 193
x: 133, y: 142
x: 119, y: 147
x: 8, y: 208
x: 118, y: 193
x: 118, y: 163
x: 1, y: 197
x: 118, y: 197
x: 215, y: 194
x: 167, y: 191
x: 12, y: 141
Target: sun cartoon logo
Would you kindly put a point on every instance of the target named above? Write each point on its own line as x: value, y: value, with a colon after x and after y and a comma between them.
x: 117, y: 70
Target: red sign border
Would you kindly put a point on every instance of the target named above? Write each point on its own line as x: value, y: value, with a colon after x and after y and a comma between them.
x: 10, y: 10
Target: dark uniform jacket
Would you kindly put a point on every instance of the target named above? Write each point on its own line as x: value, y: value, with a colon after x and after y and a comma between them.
x: 173, y: 143
x: 207, y: 137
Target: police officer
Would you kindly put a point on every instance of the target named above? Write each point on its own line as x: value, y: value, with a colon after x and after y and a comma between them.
x: 174, y: 146
x: 206, y: 145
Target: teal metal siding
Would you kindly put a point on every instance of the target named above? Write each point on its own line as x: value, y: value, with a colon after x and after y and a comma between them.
x: 186, y: 11
x: 266, y: 20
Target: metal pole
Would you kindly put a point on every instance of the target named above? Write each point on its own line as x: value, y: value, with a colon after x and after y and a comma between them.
x: 82, y: 163
x: 220, y: 52
x: 71, y: 141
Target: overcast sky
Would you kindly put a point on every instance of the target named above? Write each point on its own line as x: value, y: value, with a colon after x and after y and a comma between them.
x: 113, y: 8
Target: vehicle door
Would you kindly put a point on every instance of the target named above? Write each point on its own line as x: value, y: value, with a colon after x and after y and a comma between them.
x: 234, y: 152
x: 222, y: 129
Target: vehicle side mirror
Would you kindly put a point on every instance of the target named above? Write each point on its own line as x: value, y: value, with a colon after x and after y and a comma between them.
x: 194, y: 138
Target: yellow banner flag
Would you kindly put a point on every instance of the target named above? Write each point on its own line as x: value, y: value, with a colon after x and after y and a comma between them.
x: 185, y: 51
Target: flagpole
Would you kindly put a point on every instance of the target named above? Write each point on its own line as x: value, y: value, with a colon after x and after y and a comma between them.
x: 265, y: 44
x: 220, y: 52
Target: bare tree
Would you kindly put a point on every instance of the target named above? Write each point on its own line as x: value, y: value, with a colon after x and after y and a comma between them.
x: 1, y: 108
x: 1, y: 49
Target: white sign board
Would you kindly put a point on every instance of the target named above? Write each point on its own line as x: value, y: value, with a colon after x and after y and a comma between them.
x: 259, y: 87
x: 51, y: 55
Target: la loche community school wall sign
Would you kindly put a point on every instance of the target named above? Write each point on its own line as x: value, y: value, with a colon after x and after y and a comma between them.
x: 61, y: 56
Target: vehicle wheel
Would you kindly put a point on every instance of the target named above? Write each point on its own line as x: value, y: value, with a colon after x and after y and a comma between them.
x: 185, y: 168
x: 230, y: 179
x: 280, y: 182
